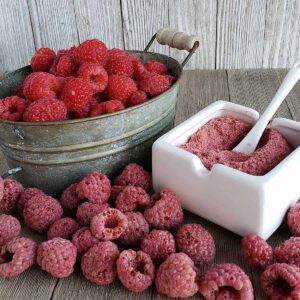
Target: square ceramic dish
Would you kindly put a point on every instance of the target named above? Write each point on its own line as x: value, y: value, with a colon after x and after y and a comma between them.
x: 235, y: 200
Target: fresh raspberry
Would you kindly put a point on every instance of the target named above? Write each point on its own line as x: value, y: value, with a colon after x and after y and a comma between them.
x: 42, y: 59
x: 154, y: 84
x: 57, y: 257
x: 95, y: 187
x: 171, y: 78
x: 86, y: 211
x: 289, y: 251
x: 293, y: 219
x: 156, y: 67
x: 63, y: 66
x: 135, y: 270
x: 93, y: 51
x: 138, y: 67
x: 257, y: 251
x: 136, y: 230
x: 9, y: 228
x: 166, y: 212
x: 176, y: 276
x: 115, y: 52
x: 39, y: 85
x: 70, y: 200
x: 98, y: 264
x: 281, y: 281
x: 106, y: 107
x: 120, y: 65
x: 25, y: 196
x: 83, y: 240
x: 109, y: 224
x: 226, y: 277
x: 41, y: 211
x: 137, y: 98
x: 17, y: 256
x: 120, y: 87
x: 115, y: 191
x: 132, y: 198
x: 19, y: 91
x: 63, y: 228
x: 12, y: 108
x: 12, y: 192
x: 135, y: 175
x: 45, y: 110
x: 196, y: 242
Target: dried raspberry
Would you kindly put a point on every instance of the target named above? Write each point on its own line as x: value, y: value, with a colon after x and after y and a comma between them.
x: 120, y: 65
x: 138, y: 67
x: 42, y: 59
x: 106, y: 107
x: 98, y: 264
x: 115, y: 52
x: 17, y: 256
x: 293, y: 219
x: 19, y: 91
x: 87, y: 211
x: 12, y: 192
x: 176, y: 276
x: 83, y: 240
x: 155, y: 84
x: 137, y: 98
x: 135, y: 270
x: 25, y: 196
x: 41, y: 211
x: 132, y: 198
x: 289, y: 251
x: 226, y: 277
x: 136, y: 230
x: 69, y: 52
x: 156, y: 67
x: 196, y: 242
x: 57, y: 257
x: 171, y: 78
x: 281, y: 281
x: 120, y: 87
x: 63, y: 66
x: 95, y: 187
x: 12, y: 108
x: 115, y: 191
x: 166, y: 212
x: 109, y: 224
x: 9, y: 228
x: 93, y: 51
x: 135, y: 175
x: 45, y: 110
x: 257, y: 251
x: 63, y: 228
x: 70, y: 200
x: 40, y: 85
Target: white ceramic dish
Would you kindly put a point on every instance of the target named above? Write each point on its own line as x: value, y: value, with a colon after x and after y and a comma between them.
x: 235, y: 200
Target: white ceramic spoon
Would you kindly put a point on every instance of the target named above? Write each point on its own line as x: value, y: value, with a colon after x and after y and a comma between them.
x: 250, y: 141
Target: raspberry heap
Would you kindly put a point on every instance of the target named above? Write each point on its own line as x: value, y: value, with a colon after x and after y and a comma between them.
x: 9, y: 228
x: 11, y: 193
x: 25, y: 196
x: 86, y: 211
x: 63, y: 228
x: 289, y: 252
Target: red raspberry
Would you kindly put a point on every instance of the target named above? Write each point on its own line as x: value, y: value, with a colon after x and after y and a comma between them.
x: 138, y: 67
x: 9, y: 228
x: 25, y: 196
x: 93, y: 51
x: 136, y: 230
x: 63, y: 66
x: 87, y: 211
x: 289, y: 251
x: 115, y: 191
x: 196, y: 242
x: 17, y: 256
x: 137, y: 98
x: 12, y: 108
x: 159, y: 244
x: 63, y: 228
x: 12, y: 192
x: 45, y: 110
x: 109, y: 224
x: 135, y: 270
x: 70, y: 200
x: 106, y: 107
x: 156, y: 67
x: 293, y: 219
x: 257, y: 251
x: 155, y: 84
x: 42, y: 59
x: 135, y: 175
x: 98, y: 264
x: 176, y: 277
x: 19, y: 91
x: 83, y: 240
x: 41, y: 211
x: 40, y: 85
x: 57, y: 257
x: 120, y: 65
x: 95, y: 187
x: 132, y: 198
x: 120, y: 87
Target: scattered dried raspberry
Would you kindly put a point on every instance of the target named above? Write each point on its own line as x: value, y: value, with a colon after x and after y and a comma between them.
x: 226, y: 277
x: 156, y: 67
x: 289, y: 251
x: 17, y: 256
x: 132, y: 198
x: 281, y: 281
x: 9, y: 228
x: 57, y: 257
x: 69, y: 52
x: 257, y: 251
x: 98, y: 264
x: 293, y: 219
x: 120, y: 65
x: 138, y: 67
x: 63, y: 228
x: 41, y: 211
x: 115, y: 52
x: 115, y: 191
x: 135, y: 270
x: 95, y: 187
x: 196, y: 242
x: 19, y: 91
x: 86, y: 211
x: 154, y: 84
x: 25, y: 196
x: 42, y: 59
x: 135, y: 175
x: 63, y: 66
x: 176, y: 276
x: 109, y: 224
x: 70, y: 200
x: 83, y: 240
x: 171, y: 79
x: 12, y: 108
x: 137, y: 98
x: 106, y: 107
x: 11, y: 194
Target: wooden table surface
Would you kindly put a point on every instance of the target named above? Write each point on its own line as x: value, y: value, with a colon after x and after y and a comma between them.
x: 253, y: 88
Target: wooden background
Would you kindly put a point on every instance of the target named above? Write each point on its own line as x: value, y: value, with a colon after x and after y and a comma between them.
x: 234, y: 33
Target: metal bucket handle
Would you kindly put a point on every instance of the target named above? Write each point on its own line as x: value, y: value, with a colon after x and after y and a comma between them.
x: 11, y: 172
x: 176, y: 39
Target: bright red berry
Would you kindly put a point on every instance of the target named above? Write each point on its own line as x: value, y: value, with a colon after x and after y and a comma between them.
x: 154, y: 84
x: 156, y: 67
x: 114, y: 52
x: 120, y: 65
x: 106, y: 107
x: 12, y: 108
x: 19, y: 91
x: 63, y: 66
x: 42, y: 59
x: 137, y: 98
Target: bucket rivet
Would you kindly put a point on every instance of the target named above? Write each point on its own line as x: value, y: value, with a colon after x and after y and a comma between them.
x: 18, y: 134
